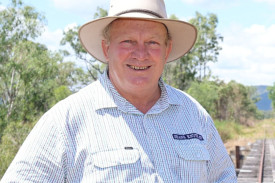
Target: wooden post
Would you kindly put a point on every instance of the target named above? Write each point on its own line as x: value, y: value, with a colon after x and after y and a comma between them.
x: 238, y: 155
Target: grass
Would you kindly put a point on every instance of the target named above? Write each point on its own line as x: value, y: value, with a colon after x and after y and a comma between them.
x: 234, y: 134
x: 260, y: 130
x: 228, y: 129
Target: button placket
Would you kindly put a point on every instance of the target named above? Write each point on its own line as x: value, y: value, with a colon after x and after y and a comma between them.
x: 149, y: 136
x: 153, y: 139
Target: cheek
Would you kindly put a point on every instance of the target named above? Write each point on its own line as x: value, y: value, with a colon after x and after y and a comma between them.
x: 120, y: 54
x: 158, y: 54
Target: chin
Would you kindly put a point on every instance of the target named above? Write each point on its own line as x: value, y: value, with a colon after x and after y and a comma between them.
x: 139, y: 82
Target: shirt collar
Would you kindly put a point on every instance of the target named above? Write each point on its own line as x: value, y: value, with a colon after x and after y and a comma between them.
x: 112, y: 99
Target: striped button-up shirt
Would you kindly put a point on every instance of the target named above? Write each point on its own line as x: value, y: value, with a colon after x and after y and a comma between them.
x: 96, y: 135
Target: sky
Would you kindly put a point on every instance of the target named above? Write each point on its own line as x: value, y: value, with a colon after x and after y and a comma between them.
x: 248, y: 28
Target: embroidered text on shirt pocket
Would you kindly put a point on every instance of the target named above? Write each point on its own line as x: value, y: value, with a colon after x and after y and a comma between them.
x: 193, y: 160
x: 116, y: 157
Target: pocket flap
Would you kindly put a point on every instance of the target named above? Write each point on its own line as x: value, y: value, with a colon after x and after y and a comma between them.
x: 193, y: 152
x: 116, y: 157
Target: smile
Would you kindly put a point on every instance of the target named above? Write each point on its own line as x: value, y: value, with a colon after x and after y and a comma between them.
x: 138, y: 68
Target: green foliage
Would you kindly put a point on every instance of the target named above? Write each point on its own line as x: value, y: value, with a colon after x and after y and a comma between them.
x: 13, y: 137
x: 18, y: 23
x: 71, y: 38
x: 72, y: 76
x: 271, y: 94
x: 32, y: 78
x: 193, y: 66
x: 3, y: 124
x: 174, y: 17
x: 100, y: 13
x: 61, y: 93
x: 206, y: 93
x: 26, y: 89
x: 29, y: 72
x: 236, y: 103
x: 228, y: 129
x: 223, y: 101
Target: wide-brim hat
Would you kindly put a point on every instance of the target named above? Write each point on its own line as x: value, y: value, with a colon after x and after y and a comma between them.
x: 183, y: 34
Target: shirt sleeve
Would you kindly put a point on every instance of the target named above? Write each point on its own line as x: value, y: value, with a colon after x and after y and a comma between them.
x: 220, y: 166
x: 41, y: 157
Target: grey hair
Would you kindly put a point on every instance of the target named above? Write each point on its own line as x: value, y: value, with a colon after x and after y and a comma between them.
x: 106, y: 32
x: 107, y: 36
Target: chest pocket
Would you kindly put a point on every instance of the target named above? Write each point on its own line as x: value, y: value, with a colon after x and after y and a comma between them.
x: 193, y: 152
x: 118, y: 165
x: 116, y: 157
x: 192, y: 162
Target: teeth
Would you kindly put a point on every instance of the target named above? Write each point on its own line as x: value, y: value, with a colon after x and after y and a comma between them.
x: 138, y: 68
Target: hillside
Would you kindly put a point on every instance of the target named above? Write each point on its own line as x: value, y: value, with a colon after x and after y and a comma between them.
x: 264, y: 103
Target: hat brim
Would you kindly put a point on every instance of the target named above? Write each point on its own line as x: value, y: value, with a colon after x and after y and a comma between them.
x: 183, y: 35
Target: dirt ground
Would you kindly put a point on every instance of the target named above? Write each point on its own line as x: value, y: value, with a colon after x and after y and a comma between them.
x: 261, y: 130
x: 231, y: 145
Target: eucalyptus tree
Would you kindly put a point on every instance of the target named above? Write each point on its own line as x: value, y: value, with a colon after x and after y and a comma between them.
x: 29, y: 72
x: 193, y: 66
x: 18, y: 24
x: 71, y: 38
x: 207, y: 46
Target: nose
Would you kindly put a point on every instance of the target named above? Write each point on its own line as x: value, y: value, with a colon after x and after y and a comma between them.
x: 140, y: 52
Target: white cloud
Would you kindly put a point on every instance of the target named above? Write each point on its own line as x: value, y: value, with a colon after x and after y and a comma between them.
x: 213, y: 4
x: 271, y: 2
x: 2, y: 7
x: 51, y: 39
x: 83, y: 7
x: 70, y: 26
x: 248, y: 55
x: 194, y: 1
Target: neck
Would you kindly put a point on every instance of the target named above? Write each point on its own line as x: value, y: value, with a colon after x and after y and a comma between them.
x: 142, y: 98
x: 144, y: 101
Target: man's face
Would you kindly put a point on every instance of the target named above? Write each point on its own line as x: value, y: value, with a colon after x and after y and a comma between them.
x: 136, y: 53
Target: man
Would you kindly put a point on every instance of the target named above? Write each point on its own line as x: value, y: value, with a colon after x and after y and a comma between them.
x: 129, y: 126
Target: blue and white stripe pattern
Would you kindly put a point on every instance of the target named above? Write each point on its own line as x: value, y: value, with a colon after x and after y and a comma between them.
x: 96, y: 135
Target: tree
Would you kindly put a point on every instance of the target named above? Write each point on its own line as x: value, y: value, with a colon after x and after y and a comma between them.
x: 18, y: 23
x: 32, y: 78
x: 193, y: 66
x: 207, y: 46
x: 236, y: 103
x: 29, y: 73
x: 271, y: 94
x: 206, y: 93
x: 14, y: 136
x: 232, y: 101
x: 35, y: 70
x: 71, y: 38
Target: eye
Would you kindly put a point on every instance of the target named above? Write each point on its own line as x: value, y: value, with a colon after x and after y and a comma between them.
x: 153, y: 43
x: 127, y: 41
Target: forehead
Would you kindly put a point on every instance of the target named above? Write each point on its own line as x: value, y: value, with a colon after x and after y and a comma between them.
x: 137, y: 25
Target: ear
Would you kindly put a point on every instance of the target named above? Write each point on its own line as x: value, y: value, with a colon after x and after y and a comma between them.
x: 168, y: 50
x: 105, y: 49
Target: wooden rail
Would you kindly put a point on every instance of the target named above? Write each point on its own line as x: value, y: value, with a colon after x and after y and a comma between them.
x: 261, y: 168
x: 257, y: 166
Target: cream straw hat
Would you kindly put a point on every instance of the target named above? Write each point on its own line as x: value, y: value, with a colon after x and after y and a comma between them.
x: 183, y: 34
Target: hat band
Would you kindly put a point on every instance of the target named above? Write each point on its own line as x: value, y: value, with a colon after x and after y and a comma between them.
x: 139, y: 11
